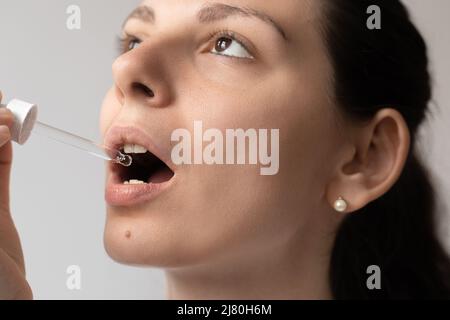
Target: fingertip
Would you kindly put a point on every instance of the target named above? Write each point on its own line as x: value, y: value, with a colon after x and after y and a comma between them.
x: 4, y: 129
x: 6, y: 117
x: 5, y: 135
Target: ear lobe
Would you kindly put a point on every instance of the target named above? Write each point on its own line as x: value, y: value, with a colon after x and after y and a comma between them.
x: 381, y: 151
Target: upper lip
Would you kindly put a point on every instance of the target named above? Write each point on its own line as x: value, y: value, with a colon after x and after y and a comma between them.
x: 118, y: 136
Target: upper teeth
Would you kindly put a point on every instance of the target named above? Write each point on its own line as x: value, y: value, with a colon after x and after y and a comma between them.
x: 134, y: 148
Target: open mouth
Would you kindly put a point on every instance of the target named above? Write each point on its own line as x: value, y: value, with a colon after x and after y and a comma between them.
x: 145, y: 169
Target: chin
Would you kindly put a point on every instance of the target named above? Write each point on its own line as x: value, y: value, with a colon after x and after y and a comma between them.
x: 123, y: 245
x: 134, y: 242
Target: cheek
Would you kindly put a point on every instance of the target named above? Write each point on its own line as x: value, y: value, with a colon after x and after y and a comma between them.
x: 239, y: 205
x: 110, y: 109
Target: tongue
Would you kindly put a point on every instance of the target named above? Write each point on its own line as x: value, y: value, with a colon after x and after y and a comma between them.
x: 161, y: 175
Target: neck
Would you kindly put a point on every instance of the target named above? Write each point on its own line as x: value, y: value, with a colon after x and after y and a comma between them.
x: 296, y: 270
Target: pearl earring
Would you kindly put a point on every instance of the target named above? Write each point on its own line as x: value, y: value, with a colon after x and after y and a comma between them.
x: 340, y: 205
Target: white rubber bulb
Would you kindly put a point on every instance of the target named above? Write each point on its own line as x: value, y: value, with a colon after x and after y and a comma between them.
x: 25, y: 116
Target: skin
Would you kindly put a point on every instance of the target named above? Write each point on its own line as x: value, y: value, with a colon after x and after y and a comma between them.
x: 223, y: 232
x: 13, y: 284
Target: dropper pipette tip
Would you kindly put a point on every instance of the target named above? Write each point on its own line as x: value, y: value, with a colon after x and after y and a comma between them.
x: 124, y: 159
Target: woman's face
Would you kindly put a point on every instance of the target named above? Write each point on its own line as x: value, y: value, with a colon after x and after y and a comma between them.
x: 231, y: 64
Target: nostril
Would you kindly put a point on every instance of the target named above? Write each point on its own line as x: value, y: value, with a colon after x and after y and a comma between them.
x: 140, y: 88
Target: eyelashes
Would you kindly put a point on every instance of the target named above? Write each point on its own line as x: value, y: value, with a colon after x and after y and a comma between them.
x: 221, y: 34
x: 126, y: 43
x: 129, y: 42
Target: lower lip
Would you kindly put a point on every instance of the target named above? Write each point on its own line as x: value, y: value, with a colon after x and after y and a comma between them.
x: 124, y: 195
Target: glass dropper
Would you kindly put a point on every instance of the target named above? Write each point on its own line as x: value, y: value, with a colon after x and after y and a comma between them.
x: 83, y: 144
x: 25, y: 122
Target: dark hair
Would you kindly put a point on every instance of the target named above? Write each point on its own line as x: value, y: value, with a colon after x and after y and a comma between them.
x: 375, y: 69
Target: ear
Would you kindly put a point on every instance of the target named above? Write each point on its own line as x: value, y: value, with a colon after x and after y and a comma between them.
x: 379, y: 151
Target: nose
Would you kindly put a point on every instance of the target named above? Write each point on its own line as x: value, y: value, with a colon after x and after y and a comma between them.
x: 140, y: 77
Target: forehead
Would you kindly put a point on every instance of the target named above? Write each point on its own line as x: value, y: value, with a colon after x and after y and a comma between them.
x: 290, y: 14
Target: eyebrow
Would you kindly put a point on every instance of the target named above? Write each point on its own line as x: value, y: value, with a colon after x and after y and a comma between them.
x: 211, y: 13
x: 144, y: 13
x: 220, y: 11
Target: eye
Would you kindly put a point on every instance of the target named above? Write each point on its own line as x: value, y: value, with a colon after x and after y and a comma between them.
x: 134, y: 43
x: 228, y: 46
x: 128, y: 43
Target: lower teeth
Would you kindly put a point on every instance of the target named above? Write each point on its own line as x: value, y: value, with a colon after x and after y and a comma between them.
x: 134, y: 182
